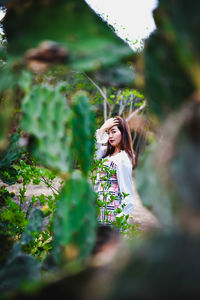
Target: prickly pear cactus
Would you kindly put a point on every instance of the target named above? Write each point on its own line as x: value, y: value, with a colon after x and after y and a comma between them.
x: 75, y: 222
x: 172, y: 55
x: 45, y: 117
x: 83, y: 128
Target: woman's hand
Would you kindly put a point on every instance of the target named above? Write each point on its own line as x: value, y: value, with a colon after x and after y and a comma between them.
x: 107, y: 125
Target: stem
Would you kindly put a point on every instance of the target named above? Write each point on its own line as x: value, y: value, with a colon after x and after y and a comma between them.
x: 51, y: 186
x: 103, y: 94
x: 135, y: 112
x: 105, y: 105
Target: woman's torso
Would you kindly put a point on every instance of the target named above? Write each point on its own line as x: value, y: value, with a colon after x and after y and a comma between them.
x: 108, y: 188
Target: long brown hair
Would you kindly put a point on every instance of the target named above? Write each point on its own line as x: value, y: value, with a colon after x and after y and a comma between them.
x: 126, y: 140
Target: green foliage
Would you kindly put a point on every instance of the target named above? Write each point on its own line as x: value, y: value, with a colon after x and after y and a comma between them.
x: 29, y: 172
x: 123, y: 102
x: 8, y: 173
x: 45, y: 117
x: 37, y: 238
x: 14, y: 217
x: 83, y: 128
x: 75, y: 221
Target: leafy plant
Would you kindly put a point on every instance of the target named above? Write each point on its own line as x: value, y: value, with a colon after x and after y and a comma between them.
x: 14, y: 216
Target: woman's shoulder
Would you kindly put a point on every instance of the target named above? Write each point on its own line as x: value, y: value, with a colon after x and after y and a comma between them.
x: 124, y: 158
x: 124, y: 154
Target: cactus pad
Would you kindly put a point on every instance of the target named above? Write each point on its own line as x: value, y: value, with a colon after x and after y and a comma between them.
x: 45, y: 117
x: 75, y: 222
x: 83, y: 128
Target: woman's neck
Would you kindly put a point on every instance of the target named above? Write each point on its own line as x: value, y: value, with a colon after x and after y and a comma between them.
x: 116, y: 150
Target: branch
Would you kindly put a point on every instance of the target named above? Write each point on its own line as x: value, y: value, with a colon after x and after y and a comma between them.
x: 98, y: 88
x: 135, y: 112
x: 103, y: 94
x: 105, y: 105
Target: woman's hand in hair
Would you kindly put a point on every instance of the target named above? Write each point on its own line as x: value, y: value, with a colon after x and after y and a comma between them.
x: 107, y: 125
x: 110, y: 123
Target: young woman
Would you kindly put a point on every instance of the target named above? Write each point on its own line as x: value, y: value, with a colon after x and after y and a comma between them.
x: 114, y: 183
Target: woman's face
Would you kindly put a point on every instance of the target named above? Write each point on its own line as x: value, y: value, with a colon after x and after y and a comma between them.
x: 114, y: 136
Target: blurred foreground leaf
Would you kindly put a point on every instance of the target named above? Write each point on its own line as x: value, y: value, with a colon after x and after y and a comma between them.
x: 172, y: 55
x: 76, y: 220
x: 20, y: 268
x: 83, y: 128
x: 151, y: 188
x: 71, y: 23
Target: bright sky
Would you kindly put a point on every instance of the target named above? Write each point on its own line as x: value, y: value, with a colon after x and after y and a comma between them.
x: 132, y: 19
x: 2, y: 13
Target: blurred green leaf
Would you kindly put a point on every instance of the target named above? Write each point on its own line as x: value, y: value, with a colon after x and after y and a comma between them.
x: 172, y: 55
x: 76, y: 220
x: 18, y: 269
x: 83, y: 128
x: 90, y: 42
x: 151, y: 189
